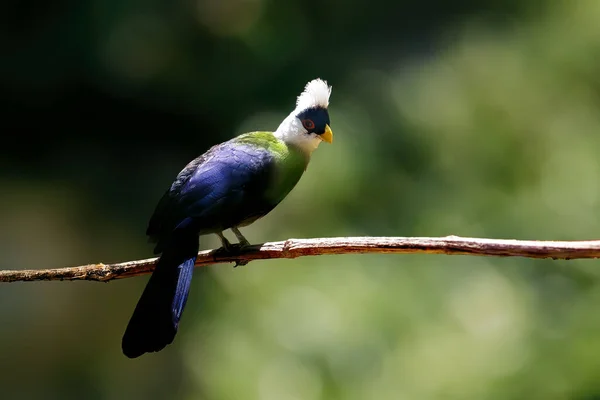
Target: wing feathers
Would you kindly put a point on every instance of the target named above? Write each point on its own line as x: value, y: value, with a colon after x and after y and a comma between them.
x: 222, y: 187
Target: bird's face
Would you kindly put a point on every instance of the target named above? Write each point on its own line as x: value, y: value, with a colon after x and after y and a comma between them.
x: 308, y: 125
x: 315, y: 123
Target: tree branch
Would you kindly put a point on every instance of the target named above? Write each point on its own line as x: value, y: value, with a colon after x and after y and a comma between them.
x: 292, y: 248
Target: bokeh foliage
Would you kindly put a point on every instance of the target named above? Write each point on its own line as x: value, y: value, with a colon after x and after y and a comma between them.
x: 449, y: 118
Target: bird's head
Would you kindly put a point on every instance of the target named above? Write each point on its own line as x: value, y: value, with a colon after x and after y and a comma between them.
x: 308, y: 125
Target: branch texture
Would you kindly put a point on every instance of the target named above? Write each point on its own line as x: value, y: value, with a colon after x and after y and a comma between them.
x: 292, y: 248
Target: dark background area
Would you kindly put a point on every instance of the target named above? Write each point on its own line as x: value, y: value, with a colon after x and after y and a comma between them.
x: 465, y: 117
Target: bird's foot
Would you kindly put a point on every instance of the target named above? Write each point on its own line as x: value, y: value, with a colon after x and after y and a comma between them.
x: 243, y: 242
x: 232, y: 249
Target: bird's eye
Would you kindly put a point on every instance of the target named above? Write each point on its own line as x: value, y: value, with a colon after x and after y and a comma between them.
x: 308, y: 124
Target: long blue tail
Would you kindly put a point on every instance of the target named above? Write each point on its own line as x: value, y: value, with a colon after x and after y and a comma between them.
x: 155, y: 319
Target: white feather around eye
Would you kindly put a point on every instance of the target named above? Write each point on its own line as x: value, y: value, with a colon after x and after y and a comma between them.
x: 316, y: 94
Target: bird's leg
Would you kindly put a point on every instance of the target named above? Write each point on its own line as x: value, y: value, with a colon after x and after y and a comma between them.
x: 227, y: 246
x: 231, y: 248
x: 243, y: 241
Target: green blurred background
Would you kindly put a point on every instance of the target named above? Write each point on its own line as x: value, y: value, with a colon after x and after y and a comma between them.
x: 450, y: 117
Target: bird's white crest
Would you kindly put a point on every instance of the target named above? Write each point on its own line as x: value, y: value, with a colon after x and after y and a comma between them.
x: 316, y: 94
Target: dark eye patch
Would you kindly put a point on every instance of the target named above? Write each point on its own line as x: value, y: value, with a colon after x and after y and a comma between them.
x: 319, y: 118
x: 308, y: 124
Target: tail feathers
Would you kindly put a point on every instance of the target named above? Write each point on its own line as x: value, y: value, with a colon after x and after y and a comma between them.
x: 155, y: 319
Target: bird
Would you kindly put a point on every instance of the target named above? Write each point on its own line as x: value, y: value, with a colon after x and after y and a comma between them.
x: 230, y: 186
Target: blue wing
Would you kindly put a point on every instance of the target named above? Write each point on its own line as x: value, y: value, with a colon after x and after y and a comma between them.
x: 221, y: 189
